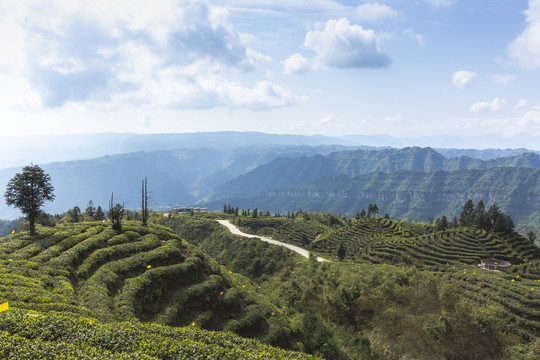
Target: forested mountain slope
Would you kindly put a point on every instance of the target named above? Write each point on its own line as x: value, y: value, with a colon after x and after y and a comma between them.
x: 270, y: 177
x: 284, y: 172
x: 415, y: 195
x: 176, y: 177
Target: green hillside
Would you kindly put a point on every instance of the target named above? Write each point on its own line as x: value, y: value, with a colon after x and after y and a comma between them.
x: 447, y: 253
x: 85, y: 289
x: 402, y: 291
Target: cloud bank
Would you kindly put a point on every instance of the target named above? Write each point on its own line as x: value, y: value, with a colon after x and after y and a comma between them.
x: 339, y: 45
x: 176, y: 54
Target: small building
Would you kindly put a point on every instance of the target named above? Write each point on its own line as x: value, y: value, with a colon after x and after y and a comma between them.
x: 494, y: 264
x: 186, y: 209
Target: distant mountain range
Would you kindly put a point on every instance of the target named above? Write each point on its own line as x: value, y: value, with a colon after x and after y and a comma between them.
x: 176, y: 177
x: 50, y: 148
x: 265, y: 171
x: 285, y: 172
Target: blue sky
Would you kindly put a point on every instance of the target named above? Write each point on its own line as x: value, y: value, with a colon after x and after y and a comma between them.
x: 398, y: 67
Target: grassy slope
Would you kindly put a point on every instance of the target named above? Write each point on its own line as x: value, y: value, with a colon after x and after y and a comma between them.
x: 403, y: 290
x: 145, y: 274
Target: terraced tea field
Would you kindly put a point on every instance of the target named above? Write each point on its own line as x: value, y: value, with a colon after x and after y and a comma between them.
x: 453, y: 254
x: 145, y: 274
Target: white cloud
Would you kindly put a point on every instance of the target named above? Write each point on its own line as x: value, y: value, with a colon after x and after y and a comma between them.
x: 415, y: 36
x: 195, y: 88
x: 495, y: 105
x: 439, y: 3
x: 504, y: 79
x: 463, y: 78
x: 521, y: 103
x: 296, y: 63
x: 101, y: 51
x: 340, y: 45
x: 526, y: 47
x: 372, y: 12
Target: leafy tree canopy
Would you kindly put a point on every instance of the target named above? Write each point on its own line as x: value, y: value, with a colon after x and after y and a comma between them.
x: 28, y: 191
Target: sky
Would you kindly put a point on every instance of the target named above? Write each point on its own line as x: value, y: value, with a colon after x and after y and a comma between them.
x: 398, y: 67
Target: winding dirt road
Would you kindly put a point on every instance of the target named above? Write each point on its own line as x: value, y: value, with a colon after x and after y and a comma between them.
x: 237, y: 231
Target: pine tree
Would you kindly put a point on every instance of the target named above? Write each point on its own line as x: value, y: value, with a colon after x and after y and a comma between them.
x: 90, y: 210
x: 100, y: 215
x: 116, y: 213
x: 467, y: 215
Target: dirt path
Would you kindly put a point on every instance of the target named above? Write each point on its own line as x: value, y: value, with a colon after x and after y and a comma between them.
x: 237, y: 231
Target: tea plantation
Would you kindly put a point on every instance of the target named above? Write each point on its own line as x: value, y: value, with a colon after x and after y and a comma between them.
x: 430, y: 281
x: 83, y: 290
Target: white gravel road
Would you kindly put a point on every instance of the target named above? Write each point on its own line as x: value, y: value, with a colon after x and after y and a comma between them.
x: 237, y: 231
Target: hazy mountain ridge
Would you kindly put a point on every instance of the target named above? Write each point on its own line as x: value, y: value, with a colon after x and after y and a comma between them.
x: 50, y: 148
x: 485, y: 154
x: 176, y: 177
x: 283, y: 172
x: 260, y: 176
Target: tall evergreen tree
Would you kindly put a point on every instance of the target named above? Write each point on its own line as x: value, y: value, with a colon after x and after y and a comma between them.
x: 28, y: 191
x: 441, y: 224
x: 90, y: 210
x: 100, y: 215
x: 466, y: 217
x: 481, y: 218
x: 116, y: 213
